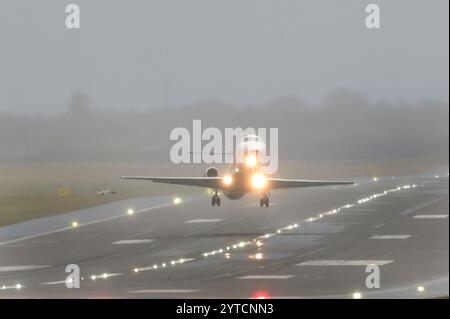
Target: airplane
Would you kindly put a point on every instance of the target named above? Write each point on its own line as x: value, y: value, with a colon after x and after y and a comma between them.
x: 104, y: 191
x: 244, y: 178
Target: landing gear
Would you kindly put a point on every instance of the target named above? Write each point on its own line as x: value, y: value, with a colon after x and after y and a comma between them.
x: 215, y: 199
x: 264, y: 201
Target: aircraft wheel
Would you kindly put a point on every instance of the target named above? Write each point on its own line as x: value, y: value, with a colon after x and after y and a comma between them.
x: 264, y: 201
x: 215, y: 200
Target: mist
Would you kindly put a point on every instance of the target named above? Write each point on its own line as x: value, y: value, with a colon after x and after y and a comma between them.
x: 344, y: 126
x: 142, y: 55
x: 115, y: 88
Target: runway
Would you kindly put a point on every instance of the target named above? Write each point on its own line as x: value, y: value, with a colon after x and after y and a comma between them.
x: 311, y: 243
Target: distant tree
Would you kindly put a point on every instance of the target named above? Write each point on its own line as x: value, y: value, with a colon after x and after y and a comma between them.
x: 344, y: 99
x: 79, y: 103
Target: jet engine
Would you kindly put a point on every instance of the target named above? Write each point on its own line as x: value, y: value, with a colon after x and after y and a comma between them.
x: 212, y: 172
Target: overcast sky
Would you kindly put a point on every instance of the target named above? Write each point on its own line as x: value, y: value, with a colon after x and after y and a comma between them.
x: 143, y: 54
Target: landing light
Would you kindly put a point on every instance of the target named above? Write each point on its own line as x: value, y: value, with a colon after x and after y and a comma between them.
x: 421, y: 289
x: 177, y: 200
x: 251, y: 161
x: 259, y: 181
x: 130, y: 212
x: 74, y: 224
x: 227, y: 180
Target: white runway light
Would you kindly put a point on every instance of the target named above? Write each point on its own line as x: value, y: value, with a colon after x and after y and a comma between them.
x: 357, y: 295
x: 75, y: 224
x: 177, y: 201
x: 421, y: 289
x: 130, y: 211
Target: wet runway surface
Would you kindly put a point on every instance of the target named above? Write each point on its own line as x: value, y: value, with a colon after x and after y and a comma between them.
x: 310, y: 243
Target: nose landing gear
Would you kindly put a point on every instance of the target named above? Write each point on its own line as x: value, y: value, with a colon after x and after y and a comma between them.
x: 215, y: 199
x: 264, y: 201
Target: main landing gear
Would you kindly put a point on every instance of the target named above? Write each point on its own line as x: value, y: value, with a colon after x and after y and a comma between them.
x: 215, y: 199
x: 264, y: 200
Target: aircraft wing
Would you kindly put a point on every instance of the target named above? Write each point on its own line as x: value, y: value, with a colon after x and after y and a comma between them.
x: 292, y: 183
x: 208, y: 182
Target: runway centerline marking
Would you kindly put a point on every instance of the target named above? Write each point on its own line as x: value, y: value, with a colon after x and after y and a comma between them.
x: 82, y: 225
x: 205, y: 220
x: 271, y: 277
x: 163, y: 291
x: 430, y: 216
x: 390, y: 236
x: 344, y: 262
x: 22, y: 268
x: 132, y: 241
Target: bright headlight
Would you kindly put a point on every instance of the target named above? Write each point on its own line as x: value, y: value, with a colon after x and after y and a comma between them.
x: 251, y: 161
x: 259, y: 181
x: 227, y: 180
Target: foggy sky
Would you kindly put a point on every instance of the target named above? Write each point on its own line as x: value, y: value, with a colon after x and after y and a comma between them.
x: 150, y: 54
